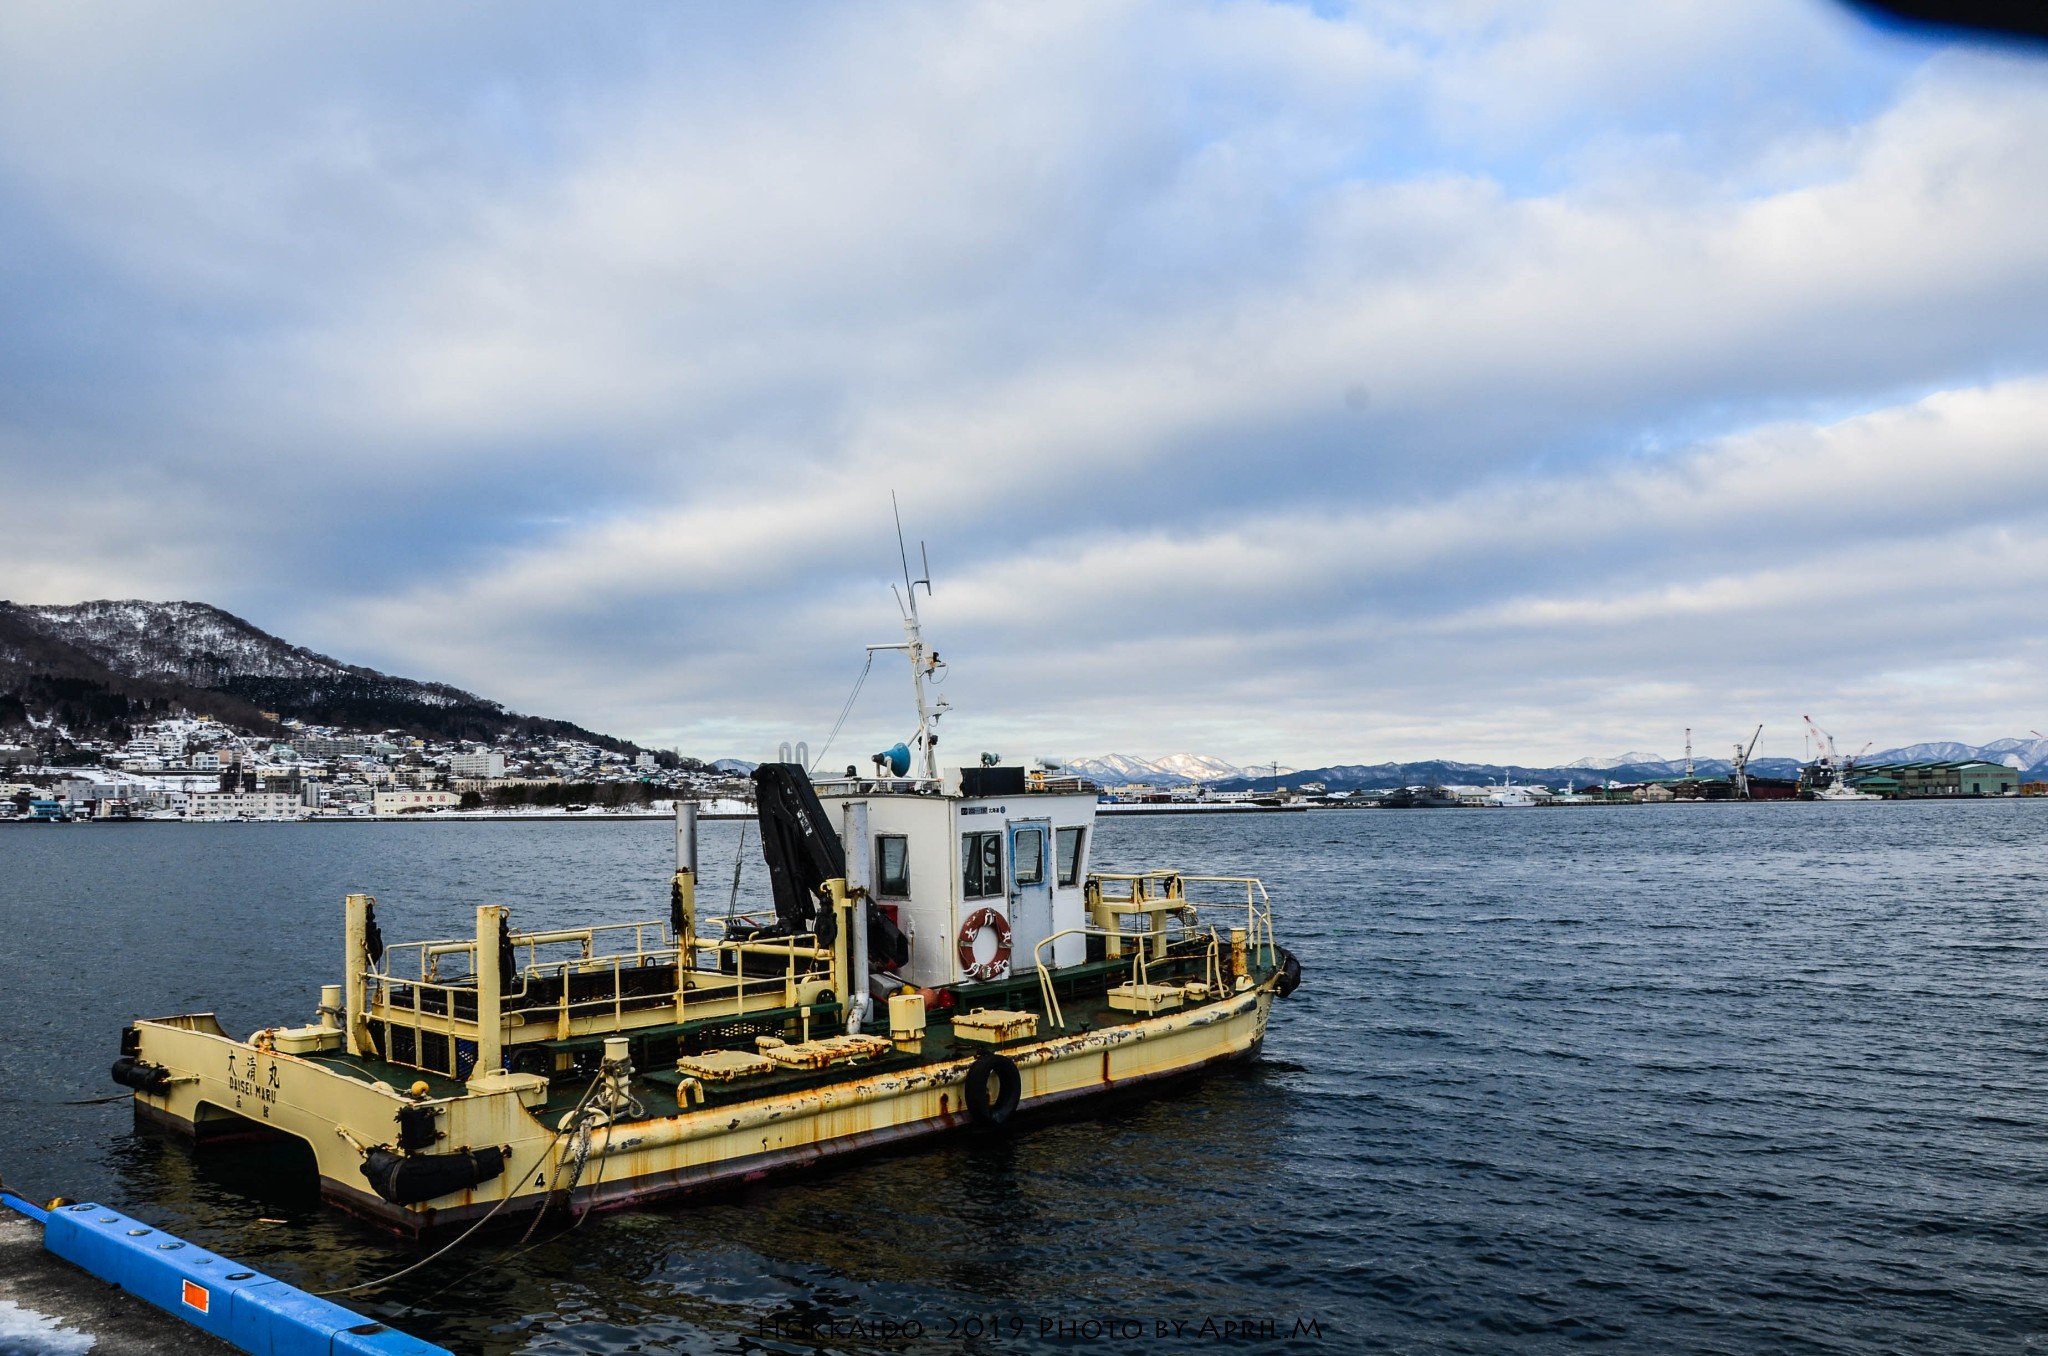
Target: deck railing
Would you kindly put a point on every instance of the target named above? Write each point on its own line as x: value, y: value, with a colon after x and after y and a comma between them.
x: 1171, y: 916
x: 427, y: 985
x: 878, y: 786
x: 1161, y: 895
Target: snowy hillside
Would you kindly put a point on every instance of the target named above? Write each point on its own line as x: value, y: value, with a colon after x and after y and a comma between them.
x: 198, y: 644
x: 1175, y: 769
x: 93, y: 666
x: 2020, y: 753
x: 185, y: 642
x: 1618, y: 760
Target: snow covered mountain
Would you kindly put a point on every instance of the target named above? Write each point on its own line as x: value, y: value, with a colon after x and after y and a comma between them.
x: 1940, y: 751
x: 1176, y: 769
x: 2019, y: 753
x: 185, y: 643
x: 1618, y: 760
x: 92, y: 667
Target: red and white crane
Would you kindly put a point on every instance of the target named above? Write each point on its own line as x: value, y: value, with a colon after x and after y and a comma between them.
x: 1838, y: 767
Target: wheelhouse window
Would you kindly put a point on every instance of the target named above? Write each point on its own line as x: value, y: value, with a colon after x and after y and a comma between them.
x: 892, y: 866
x: 1027, y: 857
x: 1070, y: 856
x: 981, y: 865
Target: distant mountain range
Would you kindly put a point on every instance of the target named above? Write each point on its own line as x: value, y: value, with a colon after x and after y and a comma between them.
x: 2029, y: 755
x: 1176, y: 769
x: 94, y: 670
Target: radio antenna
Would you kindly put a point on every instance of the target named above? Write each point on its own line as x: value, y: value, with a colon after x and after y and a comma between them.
x: 902, y: 552
x: 923, y: 662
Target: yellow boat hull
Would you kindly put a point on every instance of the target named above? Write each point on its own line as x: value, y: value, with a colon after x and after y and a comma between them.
x: 219, y: 1085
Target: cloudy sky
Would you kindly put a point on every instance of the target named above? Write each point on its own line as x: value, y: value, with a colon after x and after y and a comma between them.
x: 1272, y: 381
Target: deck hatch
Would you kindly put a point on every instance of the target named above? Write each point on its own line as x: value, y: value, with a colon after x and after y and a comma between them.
x: 722, y: 1066
x: 820, y: 1054
x: 995, y: 1025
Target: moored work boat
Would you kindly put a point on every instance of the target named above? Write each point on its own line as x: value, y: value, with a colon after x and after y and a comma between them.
x: 940, y: 958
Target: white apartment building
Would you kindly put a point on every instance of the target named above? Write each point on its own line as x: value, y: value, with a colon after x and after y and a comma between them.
x: 477, y: 765
x: 213, y: 805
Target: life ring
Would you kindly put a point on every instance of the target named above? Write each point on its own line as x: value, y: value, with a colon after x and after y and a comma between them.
x: 993, y: 1087
x: 971, y: 930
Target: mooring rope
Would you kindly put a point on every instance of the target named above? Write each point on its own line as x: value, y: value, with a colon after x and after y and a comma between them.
x: 504, y: 1201
x: 844, y: 711
x: 739, y: 862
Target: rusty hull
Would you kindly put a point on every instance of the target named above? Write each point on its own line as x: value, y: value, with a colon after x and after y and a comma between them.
x: 219, y: 1082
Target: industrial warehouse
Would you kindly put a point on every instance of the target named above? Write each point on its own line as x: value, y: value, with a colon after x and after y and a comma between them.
x: 1915, y: 781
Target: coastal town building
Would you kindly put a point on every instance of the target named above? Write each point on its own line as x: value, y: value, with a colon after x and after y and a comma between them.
x: 414, y: 802
x: 222, y: 805
x: 486, y: 764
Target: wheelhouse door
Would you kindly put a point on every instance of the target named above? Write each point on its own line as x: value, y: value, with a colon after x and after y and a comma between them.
x: 1030, y: 891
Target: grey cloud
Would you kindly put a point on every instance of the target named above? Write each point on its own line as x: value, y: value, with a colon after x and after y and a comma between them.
x: 576, y: 365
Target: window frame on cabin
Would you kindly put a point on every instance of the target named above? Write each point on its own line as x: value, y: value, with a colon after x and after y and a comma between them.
x: 979, y: 877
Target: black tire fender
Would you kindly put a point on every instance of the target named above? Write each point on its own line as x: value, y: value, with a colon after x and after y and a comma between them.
x: 1290, y: 974
x: 132, y: 1072
x: 992, y: 1112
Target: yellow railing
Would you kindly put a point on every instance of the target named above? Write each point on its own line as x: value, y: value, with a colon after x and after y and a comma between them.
x: 1047, y: 997
x: 410, y: 989
x: 1158, y: 894
x: 1212, y: 966
x: 592, y: 944
x: 1163, y: 898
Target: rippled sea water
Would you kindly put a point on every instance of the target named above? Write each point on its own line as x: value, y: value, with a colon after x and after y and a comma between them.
x: 1741, y: 1078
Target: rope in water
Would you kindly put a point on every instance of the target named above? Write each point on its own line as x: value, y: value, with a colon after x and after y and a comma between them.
x: 575, y: 1120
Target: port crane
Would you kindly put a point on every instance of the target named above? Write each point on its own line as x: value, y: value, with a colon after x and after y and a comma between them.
x: 1741, y: 774
x: 1838, y: 767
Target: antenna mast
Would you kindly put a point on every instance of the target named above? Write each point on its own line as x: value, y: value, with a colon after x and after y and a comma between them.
x: 923, y: 662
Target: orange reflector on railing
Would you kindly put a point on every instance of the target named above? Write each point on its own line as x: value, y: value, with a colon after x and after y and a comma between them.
x: 196, y: 1296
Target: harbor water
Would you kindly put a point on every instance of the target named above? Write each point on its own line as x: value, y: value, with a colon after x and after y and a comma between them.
x: 1686, y: 1078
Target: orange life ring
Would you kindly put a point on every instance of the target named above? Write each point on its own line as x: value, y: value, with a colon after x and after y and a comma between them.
x: 971, y: 930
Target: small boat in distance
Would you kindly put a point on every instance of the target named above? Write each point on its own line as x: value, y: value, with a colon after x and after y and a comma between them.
x: 941, y: 958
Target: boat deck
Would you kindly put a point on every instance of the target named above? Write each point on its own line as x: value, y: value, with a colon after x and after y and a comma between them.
x: 1082, y: 992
